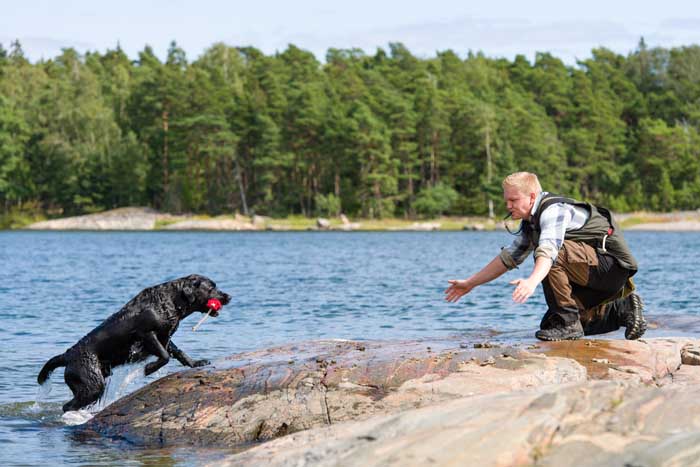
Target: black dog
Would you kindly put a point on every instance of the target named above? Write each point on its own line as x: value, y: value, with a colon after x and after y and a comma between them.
x: 140, y: 329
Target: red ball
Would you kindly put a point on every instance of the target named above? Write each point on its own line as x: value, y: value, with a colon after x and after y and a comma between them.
x: 214, y: 304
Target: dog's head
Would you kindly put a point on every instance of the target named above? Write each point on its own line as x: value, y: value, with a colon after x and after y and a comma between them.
x: 198, y: 290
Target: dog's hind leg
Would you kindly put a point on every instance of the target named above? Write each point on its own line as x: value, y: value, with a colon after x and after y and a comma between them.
x: 86, y: 382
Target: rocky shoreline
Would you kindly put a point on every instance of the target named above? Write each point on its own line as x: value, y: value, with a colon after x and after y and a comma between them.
x: 146, y: 219
x: 589, y: 402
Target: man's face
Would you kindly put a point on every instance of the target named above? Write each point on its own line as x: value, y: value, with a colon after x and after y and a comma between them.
x: 519, y: 204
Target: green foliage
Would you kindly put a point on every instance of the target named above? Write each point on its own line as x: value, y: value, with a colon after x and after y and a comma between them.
x: 328, y: 205
x: 434, y: 201
x: 21, y: 215
x: 388, y: 134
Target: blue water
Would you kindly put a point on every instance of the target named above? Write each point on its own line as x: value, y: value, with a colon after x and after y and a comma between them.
x: 56, y: 286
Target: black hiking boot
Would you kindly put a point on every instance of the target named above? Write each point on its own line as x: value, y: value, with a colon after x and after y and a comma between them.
x: 632, y: 318
x: 561, y: 332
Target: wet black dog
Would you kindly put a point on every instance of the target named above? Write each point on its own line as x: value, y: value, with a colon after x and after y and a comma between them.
x: 142, y: 328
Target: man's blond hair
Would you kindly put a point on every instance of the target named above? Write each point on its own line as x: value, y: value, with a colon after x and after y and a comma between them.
x: 525, y: 182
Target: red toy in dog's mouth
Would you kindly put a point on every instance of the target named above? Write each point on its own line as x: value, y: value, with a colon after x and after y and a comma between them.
x: 214, y: 306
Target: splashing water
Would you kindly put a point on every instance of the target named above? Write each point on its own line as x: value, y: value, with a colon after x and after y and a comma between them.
x: 42, y: 394
x: 117, y: 386
x: 76, y: 417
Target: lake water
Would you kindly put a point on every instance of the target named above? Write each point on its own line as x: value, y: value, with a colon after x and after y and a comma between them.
x: 287, y: 287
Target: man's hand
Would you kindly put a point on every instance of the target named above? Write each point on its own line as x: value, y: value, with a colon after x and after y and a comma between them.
x: 524, y: 288
x: 457, y: 289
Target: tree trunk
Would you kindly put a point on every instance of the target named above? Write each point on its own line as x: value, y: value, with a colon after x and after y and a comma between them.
x: 434, y: 173
x: 488, y: 170
x: 409, y: 176
x: 240, y: 187
x: 165, y: 155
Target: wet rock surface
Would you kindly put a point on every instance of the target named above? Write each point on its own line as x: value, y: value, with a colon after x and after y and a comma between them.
x: 393, y: 403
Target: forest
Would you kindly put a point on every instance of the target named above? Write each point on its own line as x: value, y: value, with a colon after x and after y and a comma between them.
x: 371, y: 135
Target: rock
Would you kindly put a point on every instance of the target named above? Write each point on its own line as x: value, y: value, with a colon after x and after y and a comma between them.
x: 485, y: 345
x: 650, y: 361
x: 587, y: 424
x: 350, y: 226
x: 346, y: 225
x: 261, y: 222
x: 144, y: 219
x: 288, y: 390
x: 595, y: 402
x: 116, y: 219
x: 687, y: 375
x: 419, y: 226
x: 690, y: 354
x: 323, y: 224
x: 211, y: 224
x: 425, y: 226
x: 669, y: 226
x: 478, y: 227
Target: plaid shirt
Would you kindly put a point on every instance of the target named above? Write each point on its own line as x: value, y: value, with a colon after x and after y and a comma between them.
x: 555, y: 221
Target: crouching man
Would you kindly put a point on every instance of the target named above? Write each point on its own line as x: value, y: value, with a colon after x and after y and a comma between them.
x: 581, y: 259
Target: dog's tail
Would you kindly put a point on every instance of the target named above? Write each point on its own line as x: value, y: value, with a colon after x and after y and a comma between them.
x: 55, y: 362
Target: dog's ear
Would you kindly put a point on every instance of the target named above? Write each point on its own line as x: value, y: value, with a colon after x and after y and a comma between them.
x: 189, y: 293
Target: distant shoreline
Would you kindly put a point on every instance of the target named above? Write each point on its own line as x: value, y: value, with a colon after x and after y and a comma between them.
x: 146, y: 219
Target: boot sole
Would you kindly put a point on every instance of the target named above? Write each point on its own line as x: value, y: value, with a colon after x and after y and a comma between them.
x: 553, y: 339
x: 639, y: 324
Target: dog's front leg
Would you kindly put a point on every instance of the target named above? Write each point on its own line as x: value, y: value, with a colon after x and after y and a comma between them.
x: 156, y: 349
x: 183, y: 358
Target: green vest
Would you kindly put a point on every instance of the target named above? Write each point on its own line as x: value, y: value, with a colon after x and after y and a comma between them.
x: 600, y: 230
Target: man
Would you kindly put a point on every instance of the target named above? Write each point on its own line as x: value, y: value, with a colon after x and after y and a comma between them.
x: 581, y: 259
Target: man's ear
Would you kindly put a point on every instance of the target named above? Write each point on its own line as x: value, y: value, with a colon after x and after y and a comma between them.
x: 188, y: 292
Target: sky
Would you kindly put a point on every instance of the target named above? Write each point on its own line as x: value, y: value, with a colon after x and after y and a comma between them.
x: 498, y: 28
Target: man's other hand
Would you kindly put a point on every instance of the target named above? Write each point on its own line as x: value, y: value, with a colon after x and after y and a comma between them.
x: 457, y: 289
x: 524, y: 288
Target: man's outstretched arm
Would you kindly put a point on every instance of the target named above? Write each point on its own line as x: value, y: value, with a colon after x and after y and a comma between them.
x: 524, y: 288
x: 459, y: 288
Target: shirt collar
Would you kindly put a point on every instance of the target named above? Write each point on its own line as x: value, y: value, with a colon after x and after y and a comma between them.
x: 538, y: 200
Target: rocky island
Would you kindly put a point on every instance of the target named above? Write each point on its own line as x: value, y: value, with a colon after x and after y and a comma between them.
x: 338, y: 402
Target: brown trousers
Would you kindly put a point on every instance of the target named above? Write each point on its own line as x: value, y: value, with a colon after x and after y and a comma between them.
x: 581, y: 284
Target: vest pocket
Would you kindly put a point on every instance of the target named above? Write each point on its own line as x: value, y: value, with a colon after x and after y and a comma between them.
x: 579, y: 252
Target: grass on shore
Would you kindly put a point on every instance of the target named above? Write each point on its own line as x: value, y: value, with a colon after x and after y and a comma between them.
x: 445, y: 223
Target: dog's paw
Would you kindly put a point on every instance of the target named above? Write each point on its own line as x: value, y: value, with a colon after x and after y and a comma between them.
x: 202, y: 362
x: 152, y: 368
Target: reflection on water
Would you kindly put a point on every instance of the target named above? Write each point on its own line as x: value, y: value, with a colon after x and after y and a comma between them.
x: 56, y: 286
